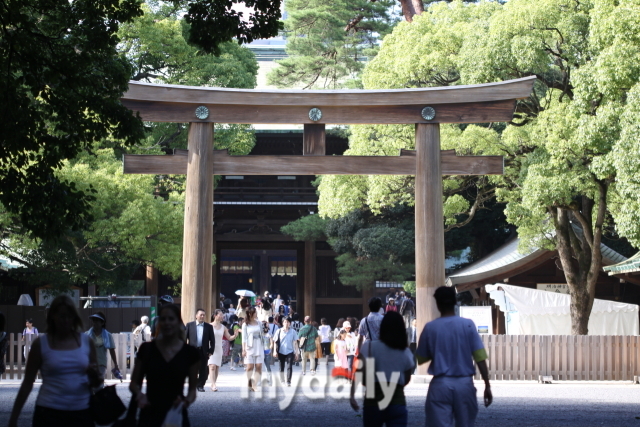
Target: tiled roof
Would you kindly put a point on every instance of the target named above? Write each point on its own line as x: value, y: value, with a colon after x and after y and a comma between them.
x: 630, y: 265
x: 507, y: 257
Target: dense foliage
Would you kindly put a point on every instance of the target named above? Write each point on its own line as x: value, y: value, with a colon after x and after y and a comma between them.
x: 329, y: 41
x: 124, y: 220
x: 570, y: 172
x: 61, y: 77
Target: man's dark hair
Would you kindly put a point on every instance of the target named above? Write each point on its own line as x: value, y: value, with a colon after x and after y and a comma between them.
x: 199, y: 310
x: 392, y: 331
x: 407, y: 294
x: 445, y: 297
x: 270, y: 319
x: 375, y: 304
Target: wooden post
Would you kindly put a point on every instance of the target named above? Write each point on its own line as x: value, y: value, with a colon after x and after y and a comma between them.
x: 152, y: 280
x: 314, y: 140
x: 198, y: 222
x: 310, y: 279
x: 264, y: 275
x: 215, y: 291
x: 429, y: 225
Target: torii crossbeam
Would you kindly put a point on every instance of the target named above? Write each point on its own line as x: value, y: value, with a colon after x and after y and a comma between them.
x: 426, y: 108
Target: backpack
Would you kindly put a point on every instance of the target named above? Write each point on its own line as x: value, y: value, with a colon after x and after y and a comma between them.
x: 296, y: 325
x: 407, y: 306
x: 143, y: 333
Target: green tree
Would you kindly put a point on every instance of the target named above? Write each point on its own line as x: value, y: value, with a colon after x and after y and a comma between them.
x: 566, y: 141
x: 61, y: 78
x: 133, y: 219
x: 328, y: 41
x: 130, y: 227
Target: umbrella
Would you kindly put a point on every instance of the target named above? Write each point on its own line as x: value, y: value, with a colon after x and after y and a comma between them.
x: 245, y: 293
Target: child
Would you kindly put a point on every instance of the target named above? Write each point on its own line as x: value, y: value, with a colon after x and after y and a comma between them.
x: 341, y: 350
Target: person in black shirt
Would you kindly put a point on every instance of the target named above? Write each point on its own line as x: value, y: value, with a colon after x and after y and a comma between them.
x: 165, y: 362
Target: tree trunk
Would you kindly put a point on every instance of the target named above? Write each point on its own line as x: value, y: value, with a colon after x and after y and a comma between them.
x: 581, y: 304
x: 580, y: 253
x: 410, y: 8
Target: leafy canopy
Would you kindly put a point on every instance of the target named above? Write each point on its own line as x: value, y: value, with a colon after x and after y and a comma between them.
x: 329, y: 41
x: 61, y: 78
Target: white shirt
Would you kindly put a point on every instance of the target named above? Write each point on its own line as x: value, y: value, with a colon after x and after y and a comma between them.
x: 388, y: 360
x: 200, y: 331
x: 325, y: 333
x: 276, y: 304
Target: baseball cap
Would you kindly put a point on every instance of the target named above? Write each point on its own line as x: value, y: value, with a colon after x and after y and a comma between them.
x: 167, y: 298
x: 346, y: 324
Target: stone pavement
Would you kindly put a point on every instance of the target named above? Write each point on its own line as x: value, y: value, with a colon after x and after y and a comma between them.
x: 516, y: 403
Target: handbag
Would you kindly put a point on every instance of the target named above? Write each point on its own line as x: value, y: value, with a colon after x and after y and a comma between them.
x: 130, y: 419
x: 174, y: 417
x: 106, y: 406
x: 302, y: 341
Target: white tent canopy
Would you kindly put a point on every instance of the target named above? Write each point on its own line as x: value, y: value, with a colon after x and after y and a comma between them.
x: 536, y: 312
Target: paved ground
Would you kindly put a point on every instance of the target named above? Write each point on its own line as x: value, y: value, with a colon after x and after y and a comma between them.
x: 575, y: 404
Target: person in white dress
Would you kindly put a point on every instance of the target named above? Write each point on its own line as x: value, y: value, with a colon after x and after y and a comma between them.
x: 215, y: 360
x: 252, y: 348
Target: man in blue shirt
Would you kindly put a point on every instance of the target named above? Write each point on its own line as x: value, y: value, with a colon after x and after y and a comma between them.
x: 452, y: 343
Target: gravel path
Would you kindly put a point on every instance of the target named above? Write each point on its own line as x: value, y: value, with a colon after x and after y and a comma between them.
x: 568, y: 404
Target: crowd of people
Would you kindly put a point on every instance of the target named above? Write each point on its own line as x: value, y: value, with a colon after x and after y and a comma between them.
x: 252, y: 336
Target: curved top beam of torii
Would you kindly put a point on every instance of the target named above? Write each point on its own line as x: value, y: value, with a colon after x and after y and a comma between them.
x: 490, y: 102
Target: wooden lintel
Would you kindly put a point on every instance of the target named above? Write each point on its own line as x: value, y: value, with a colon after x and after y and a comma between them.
x: 463, y: 112
x: 404, y: 152
x: 498, y: 91
x: 223, y: 164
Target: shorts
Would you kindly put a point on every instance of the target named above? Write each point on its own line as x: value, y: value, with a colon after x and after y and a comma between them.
x: 236, y: 352
x: 451, y: 401
x: 253, y: 360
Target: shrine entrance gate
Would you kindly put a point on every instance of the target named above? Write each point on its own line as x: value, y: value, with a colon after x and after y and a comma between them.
x: 426, y: 108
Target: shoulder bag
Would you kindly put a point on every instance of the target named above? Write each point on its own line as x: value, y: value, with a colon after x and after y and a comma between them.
x: 303, y: 340
x: 106, y: 406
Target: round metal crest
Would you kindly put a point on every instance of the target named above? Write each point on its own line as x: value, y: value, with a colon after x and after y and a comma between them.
x: 315, y: 114
x: 428, y: 113
x: 202, y: 112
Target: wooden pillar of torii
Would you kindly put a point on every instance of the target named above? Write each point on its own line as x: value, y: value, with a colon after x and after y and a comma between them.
x: 425, y: 108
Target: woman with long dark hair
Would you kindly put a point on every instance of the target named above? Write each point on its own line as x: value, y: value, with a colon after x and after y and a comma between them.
x: 66, y: 359
x: 165, y: 362
x: 394, y: 360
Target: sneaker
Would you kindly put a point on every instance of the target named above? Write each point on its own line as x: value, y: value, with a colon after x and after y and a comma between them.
x: 288, y: 384
x: 304, y: 373
x: 232, y: 368
x: 313, y: 372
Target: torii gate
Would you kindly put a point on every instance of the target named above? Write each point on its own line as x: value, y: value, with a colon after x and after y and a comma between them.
x: 426, y: 108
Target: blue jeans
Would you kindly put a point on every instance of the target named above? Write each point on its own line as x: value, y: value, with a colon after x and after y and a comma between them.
x: 267, y: 361
x: 391, y: 416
